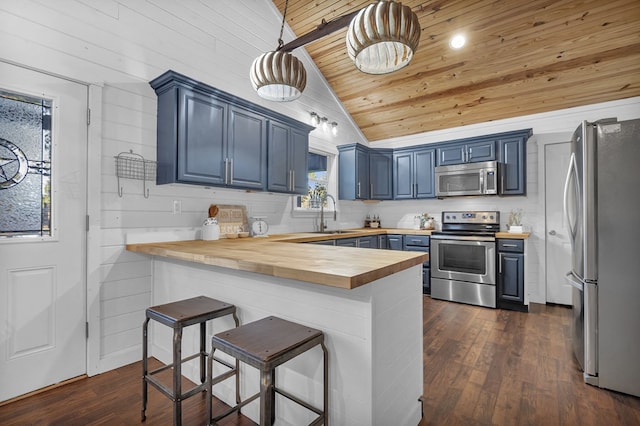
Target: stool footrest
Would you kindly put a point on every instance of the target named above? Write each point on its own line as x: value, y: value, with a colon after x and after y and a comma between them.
x: 234, y: 408
x: 169, y: 392
x: 298, y: 401
x: 166, y: 367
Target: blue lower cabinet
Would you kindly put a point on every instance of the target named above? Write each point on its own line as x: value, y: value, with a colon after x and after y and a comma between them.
x: 395, y: 242
x: 510, y: 291
x: 347, y: 242
x: 420, y: 243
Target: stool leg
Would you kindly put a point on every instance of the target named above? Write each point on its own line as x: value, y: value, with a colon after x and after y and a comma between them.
x: 235, y: 318
x: 177, y: 376
x: 210, y: 386
x: 145, y: 367
x: 203, y: 333
x: 325, y: 356
x: 266, y: 398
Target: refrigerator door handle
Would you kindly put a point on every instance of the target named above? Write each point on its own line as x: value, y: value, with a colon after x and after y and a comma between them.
x: 570, y: 279
x: 573, y: 170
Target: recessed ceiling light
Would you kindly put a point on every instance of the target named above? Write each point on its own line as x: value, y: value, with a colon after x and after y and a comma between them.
x: 457, y: 41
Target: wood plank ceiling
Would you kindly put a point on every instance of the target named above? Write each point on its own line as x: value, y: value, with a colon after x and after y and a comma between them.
x: 522, y: 57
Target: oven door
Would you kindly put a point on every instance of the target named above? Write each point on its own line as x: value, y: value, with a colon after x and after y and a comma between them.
x: 470, y: 259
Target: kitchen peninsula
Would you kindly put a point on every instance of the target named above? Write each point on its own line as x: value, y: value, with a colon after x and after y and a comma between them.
x: 367, y: 302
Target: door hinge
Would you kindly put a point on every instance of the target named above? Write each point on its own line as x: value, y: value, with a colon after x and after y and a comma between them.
x: 86, y: 328
x: 87, y: 223
x: 88, y: 116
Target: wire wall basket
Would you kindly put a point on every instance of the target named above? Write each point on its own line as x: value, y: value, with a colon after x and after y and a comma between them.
x: 130, y: 165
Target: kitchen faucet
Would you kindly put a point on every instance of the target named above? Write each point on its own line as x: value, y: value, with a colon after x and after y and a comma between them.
x: 323, y: 225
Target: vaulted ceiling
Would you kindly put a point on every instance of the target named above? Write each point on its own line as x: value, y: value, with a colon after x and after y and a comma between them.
x: 522, y: 57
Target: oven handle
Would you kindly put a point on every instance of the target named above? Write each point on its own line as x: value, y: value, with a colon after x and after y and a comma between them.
x: 461, y: 238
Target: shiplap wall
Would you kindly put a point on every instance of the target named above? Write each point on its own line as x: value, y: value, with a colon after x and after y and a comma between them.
x: 120, y: 46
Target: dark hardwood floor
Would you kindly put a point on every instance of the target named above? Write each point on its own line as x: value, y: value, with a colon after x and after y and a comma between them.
x: 482, y: 367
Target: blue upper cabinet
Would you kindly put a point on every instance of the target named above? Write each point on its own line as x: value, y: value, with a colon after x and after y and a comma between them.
x: 353, y: 172
x: 380, y: 176
x: 246, y: 149
x: 288, y: 150
x: 413, y: 173
x: 201, y: 143
x: 210, y: 137
x: 512, y: 156
x: 467, y: 152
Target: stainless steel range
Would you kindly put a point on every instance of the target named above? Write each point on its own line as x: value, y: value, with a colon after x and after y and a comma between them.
x: 463, y: 258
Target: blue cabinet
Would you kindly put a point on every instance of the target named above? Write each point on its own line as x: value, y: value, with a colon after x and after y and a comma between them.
x: 347, y: 242
x: 364, y: 174
x: 198, y: 153
x: 353, y: 172
x: 246, y: 149
x: 467, y: 152
x: 513, y: 167
x: 510, y: 291
x: 395, y: 242
x: 420, y: 243
x: 368, y: 242
x: 380, y: 176
x: 413, y: 173
x: 209, y: 137
x: 288, y: 149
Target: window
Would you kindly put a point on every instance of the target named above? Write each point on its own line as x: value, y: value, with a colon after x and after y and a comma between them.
x: 318, y: 179
x: 25, y: 166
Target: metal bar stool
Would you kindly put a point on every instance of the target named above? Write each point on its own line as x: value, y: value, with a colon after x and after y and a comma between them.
x: 178, y: 315
x: 265, y: 344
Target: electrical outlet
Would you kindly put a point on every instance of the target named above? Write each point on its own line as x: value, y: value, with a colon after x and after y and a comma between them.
x: 177, y: 206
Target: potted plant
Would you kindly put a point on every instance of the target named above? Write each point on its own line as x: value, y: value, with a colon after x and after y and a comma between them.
x: 515, y: 221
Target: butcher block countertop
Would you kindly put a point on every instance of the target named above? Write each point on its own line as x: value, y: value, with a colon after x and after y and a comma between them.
x: 279, y: 256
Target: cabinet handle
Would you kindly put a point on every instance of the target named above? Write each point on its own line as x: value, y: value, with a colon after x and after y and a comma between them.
x: 500, y: 263
x: 231, y: 171
x: 226, y: 170
x: 510, y: 245
x: 293, y: 179
x: 371, y: 190
x: 358, y: 189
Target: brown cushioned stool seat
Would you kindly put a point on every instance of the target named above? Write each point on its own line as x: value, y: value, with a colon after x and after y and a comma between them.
x: 265, y: 344
x: 177, y: 315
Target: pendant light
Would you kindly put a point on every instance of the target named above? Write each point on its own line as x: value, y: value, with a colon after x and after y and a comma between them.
x: 278, y: 75
x: 383, y: 37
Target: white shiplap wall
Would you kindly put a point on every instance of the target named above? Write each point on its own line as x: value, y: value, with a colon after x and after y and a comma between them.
x: 118, y: 46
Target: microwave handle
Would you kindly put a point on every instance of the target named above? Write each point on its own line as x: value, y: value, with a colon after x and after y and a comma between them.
x: 482, y: 175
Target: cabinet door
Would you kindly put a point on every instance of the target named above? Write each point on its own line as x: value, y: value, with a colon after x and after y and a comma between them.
x: 514, y: 173
x: 368, y: 242
x: 481, y: 151
x: 511, y: 277
x: 362, y: 174
x: 403, y: 175
x: 395, y: 242
x: 247, y: 150
x: 347, y: 242
x: 299, y: 160
x: 278, y: 158
x: 201, y: 138
x: 424, y: 176
x: 380, y: 177
x: 448, y: 155
x: 383, y: 242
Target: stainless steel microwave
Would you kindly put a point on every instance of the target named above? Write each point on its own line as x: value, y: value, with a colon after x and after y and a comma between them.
x: 467, y: 179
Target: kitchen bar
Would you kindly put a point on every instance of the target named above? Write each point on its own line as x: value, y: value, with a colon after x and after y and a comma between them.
x: 367, y: 302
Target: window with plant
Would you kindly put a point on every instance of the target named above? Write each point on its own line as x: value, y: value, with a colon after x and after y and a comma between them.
x: 318, y: 180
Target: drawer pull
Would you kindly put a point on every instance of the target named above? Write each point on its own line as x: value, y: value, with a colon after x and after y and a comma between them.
x: 510, y: 245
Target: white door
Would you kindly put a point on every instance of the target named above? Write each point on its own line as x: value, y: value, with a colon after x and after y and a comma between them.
x: 558, y: 246
x: 42, y: 277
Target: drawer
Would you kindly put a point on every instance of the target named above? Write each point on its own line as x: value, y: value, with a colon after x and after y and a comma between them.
x: 416, y: 240
x: 514, y: 246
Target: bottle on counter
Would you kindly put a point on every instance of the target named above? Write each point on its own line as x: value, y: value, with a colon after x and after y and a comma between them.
x: 367, y: 222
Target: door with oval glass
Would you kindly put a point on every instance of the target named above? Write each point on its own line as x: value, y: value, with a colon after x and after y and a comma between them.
x: 43, y: 146
x: 557, y: 244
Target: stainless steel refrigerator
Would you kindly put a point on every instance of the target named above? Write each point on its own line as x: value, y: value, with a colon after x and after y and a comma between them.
x: 602, y: 208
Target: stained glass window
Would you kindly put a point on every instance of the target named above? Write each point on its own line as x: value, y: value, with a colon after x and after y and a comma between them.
x: 25, y: 166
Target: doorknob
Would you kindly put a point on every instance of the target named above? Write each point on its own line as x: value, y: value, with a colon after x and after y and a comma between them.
x: 552, y: 232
